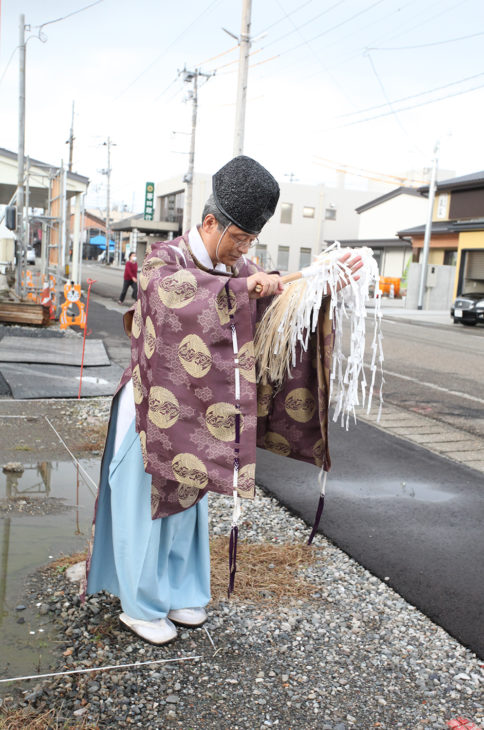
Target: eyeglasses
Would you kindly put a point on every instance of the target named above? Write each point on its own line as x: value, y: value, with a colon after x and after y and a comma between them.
x: 243, y: 242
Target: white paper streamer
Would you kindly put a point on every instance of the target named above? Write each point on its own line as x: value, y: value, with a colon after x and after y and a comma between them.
x: 349, y: 386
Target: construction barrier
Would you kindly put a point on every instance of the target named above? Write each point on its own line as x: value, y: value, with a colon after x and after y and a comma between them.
x: 72, y: 294
x: 390, y: 286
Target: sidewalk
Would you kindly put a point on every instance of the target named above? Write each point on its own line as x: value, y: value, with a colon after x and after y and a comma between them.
x: 394, y: 309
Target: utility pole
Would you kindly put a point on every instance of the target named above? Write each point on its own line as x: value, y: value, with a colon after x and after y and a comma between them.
x: 107, y: 172
x: 20, y: 252
x: 428, y: 228
x: 244, y: 43
x: 191, y: 77
x: 70, y: 142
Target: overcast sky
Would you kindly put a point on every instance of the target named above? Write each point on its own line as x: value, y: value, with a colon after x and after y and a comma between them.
x: 321, y: 66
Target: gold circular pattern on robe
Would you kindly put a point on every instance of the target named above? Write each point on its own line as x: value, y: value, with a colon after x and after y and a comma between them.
x: 195, y: 356
x: 187, y: 496
x: 225, y: 305
x: 300, y: 405
x: 163, y: 407
x: 246, y: 480
x: 190, y: 471
x: 147, y: 271
x: 318, y: 452
x: 137, y: 388
x: 264, y: 398
x: 137, y: 320
x: 247, y: 362
x: 277, y: 443
x: 220, y: 420
x: 150, y: 338
x: 178, y: 289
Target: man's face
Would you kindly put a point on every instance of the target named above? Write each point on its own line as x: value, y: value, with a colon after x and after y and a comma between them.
x: 225, y: 247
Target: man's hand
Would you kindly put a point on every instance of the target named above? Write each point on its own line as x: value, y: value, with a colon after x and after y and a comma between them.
x: 267, y: 284
x: 353, y: 262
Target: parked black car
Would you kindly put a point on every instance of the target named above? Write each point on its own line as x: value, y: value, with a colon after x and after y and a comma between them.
x: 468, y: 308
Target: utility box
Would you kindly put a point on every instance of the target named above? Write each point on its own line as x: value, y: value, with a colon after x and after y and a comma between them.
x: 431, y: 275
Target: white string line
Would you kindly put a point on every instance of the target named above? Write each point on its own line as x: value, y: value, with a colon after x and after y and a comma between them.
x: 101, y: 669
x: 74, y: 459
x: 208, y: 634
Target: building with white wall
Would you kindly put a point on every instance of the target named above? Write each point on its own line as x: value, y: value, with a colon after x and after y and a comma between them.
x: 380, y: 221
x: 305, y: 217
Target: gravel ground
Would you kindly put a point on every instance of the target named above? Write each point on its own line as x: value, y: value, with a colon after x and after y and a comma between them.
x: 25, y: 505
x: 351, y: 654
x: 26, y: 433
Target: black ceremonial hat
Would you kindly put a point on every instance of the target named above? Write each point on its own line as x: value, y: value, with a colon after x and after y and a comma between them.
x: 246, y: 193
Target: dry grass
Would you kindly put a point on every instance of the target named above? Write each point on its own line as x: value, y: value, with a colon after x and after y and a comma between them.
x: 96, y: 439
x: 266, y: 572
x: 66, y: 560
x: 29, y: 719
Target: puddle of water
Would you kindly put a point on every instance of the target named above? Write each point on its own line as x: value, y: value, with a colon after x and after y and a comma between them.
x: 28, y: 542
x: 388, y: 489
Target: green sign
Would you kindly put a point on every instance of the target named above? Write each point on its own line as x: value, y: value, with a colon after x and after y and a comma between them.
x: 149, y: 201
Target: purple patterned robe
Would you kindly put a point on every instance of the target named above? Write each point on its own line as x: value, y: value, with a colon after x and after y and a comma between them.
x: 198, y: 420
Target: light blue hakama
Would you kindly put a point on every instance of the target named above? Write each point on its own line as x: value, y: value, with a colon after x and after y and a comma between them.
x: 153, y: 566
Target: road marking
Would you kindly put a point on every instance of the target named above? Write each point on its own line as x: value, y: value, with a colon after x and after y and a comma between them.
x: 431, y: 385
x: 428, y: 323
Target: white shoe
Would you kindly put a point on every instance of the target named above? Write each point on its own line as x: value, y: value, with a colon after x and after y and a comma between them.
x: 188, y: 616
x: 159, y: 631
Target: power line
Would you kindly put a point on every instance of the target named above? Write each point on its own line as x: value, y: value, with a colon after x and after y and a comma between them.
x: 406, y: 108
x: 334, y: 27
x: 395, y: 35
x: 338, y: 41
x: 311, y: 20
x: 8, y: 63
x: 385, y: 95
x: 306, y: 42
x: 427, y: 45
x: 412, y: 96
x: 167, y: 48
x: 69, y: 15
x: 167, y: 88
x: 428, y: 20
x: 316, y: 55
x: 286, y: 15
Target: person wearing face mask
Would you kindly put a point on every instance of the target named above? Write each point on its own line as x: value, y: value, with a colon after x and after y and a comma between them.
x: 188, y: 413
x: 130, y: 278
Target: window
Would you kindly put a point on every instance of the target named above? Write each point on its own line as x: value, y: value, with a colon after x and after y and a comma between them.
x: 450, y: 258
x: 283, y: 258
x: 171, y: 207
x: 330, y: 213
x: 304, y: 257
x: 286, y: 212
x: 308, y: 211
x: 261, y: 255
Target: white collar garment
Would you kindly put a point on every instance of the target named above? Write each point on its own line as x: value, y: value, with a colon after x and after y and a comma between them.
x: 201, y: 253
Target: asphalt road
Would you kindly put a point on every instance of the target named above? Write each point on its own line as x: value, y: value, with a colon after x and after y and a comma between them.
x: 436, y: 372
